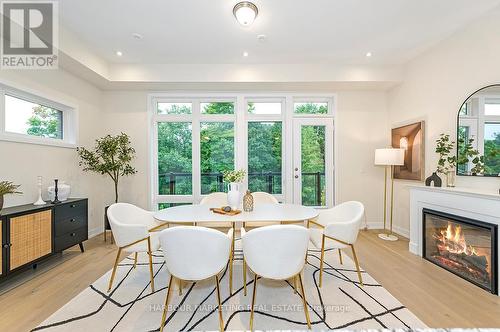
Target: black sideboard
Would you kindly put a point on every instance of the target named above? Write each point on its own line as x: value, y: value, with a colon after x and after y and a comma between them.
x: 31, y: 233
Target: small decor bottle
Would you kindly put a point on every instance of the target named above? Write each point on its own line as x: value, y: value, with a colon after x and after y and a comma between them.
x: 450, y: 178
x: 248, y: 202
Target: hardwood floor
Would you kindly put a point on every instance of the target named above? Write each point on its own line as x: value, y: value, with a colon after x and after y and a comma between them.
x: 437, y: 297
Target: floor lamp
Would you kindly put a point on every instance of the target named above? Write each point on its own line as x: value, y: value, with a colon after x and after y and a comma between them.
x: 389, y: 158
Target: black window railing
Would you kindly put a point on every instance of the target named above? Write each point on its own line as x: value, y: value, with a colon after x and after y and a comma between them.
x: 177, y: 183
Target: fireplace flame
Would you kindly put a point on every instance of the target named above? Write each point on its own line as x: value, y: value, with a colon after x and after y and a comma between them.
x: 452, y: 240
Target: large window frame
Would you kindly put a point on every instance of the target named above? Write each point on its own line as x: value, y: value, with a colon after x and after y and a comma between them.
x: 240, y: 118
x: 69, y: 119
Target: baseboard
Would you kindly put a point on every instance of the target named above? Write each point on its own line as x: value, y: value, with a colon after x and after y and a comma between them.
x: 95, y: 231
x: 396, y: 229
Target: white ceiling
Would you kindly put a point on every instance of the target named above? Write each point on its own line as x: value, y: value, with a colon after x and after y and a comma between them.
x: 298, y: 31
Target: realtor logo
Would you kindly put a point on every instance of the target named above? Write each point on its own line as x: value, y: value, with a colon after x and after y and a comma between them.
x: 29, y: 35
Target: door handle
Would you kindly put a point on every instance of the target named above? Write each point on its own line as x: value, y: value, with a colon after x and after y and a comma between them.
x: 296, y: 176
x: 296, y: 169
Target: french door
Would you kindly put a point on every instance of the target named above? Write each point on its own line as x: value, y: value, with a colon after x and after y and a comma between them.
x: 313, y: 168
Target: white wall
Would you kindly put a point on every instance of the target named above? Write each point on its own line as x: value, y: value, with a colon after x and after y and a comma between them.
x: 436, y: 84
x: 360, y: 122
x: 22, y: 163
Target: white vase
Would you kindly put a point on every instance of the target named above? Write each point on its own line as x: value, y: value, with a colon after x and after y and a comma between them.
x: 233, y: 195
x: 63, y: 191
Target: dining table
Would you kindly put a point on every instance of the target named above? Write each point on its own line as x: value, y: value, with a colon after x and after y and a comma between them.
x: 202, y: 215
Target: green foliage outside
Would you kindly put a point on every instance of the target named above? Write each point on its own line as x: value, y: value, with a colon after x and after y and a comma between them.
x: 45, y: 122
x: 492, y: 155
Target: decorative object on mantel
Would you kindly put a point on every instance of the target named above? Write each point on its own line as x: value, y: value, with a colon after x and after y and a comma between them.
x: 389, y: 158
x: 6, y: 188
x: 410, y: 138
x: 248, y: 202
x: 63, y: 191
x: 112, y: 156
x: 40, y: 200
x: 446, y: 163
x: 478, y: 133
x: 234, y: 178
x: 434, y: 179
x: 56, y: 192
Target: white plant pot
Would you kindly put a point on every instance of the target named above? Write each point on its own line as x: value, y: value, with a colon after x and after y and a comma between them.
x: 234, y: 195
x: 63, y: 191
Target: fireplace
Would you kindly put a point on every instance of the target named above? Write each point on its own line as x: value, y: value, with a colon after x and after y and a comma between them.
x: 463, y: 246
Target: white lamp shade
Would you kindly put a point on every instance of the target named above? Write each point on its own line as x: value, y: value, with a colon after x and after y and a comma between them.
x: 390, y: 157
x: 245, y: 12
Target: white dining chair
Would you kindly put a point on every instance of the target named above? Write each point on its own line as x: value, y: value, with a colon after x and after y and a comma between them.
x: 194, y: 253
x: 131, y: 227
x: 216, y: 200
x: 340, y: 226
x: 276, y: 252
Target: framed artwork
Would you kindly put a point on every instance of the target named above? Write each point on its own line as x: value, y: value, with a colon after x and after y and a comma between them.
x: 410, y: 138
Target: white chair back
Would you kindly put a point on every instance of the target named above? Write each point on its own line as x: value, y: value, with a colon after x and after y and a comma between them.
x: 264, y: 198
x: 194, y: 253
x: 129, y: 222
x: 215, y: 200
x: 343, y: 221
x: 276, y: 252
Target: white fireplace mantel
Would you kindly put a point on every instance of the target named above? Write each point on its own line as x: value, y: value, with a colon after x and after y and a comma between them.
x: 470, y: 203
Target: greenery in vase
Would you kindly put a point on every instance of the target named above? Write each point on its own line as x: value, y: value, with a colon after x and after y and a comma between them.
x: 444, y: 147
x: 234, y: 176
x: 112, y: 155
x: 467, y: 154
x: 7, y: 187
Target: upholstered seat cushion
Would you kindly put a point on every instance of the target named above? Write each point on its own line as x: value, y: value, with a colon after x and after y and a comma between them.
x: 315, y: 235
x: 143, y: 245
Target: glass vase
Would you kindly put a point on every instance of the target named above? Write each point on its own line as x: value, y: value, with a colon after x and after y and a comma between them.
x: 450, y: 179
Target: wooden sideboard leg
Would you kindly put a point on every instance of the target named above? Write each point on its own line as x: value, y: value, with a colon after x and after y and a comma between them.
x: 81, y: 247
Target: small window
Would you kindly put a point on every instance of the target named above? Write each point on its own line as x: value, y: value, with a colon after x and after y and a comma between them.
x: 174, y: 108
x: 264, y: 108
x: 27, y: 118
x: 310, y: 108
x: 492, y: 108
x: 217, y: 108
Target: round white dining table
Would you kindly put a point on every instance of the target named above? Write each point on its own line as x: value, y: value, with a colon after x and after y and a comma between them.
x: 263, y: 213
x: 271, y: 213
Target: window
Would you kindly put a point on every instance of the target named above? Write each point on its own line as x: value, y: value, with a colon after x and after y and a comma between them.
x: 195, y: 138
x: 492, y: 107
x: 492, y: 148
x: 310, y: 108
x: 175, y: 158
x: 31, y: 119
x: 217, y: 154
x: 264, y: 157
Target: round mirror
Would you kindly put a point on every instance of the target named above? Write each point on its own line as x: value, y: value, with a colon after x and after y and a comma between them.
x: 478, y: 133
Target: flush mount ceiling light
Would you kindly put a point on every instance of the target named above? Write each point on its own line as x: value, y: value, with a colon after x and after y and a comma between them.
x: 245, y: 12
x: 119, y: 53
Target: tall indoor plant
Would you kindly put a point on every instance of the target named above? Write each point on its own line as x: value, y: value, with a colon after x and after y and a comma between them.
x: 6, y: 188
x: 112, y: 156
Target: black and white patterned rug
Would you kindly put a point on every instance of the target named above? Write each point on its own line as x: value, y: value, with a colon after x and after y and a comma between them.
x: 342, y: 303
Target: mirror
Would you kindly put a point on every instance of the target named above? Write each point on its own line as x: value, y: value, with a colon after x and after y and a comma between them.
x: 478, y: 133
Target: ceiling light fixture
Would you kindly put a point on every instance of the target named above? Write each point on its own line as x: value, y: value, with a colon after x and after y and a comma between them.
x: 119, y: 53
x: 368, y: 54
x: 136, y: 35
x: 245, y: 54
x: 245, y: 12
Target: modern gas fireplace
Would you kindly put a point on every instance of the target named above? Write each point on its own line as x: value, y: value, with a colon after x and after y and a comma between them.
x: 465, y: 247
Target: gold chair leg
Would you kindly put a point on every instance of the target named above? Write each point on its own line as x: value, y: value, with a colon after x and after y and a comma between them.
x: 231, y: 258
x: 165, y: 308
x: 244, y: 277
x: 151, y: 275
x: 135, y: 260
x: 357, y: 264
x: 306, y: 310
x: 114, y: 269
x: 322, y: 259
x: 221, y: 320
x: 253, y: 301
x: 179, y: 283
x: 295, y: 284
x: 340, y: 257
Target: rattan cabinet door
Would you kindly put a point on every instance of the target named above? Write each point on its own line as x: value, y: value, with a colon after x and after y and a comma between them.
x: 30, y: 237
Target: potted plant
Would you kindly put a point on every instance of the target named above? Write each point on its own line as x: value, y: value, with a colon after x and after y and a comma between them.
x: 233, y: 178
x: 7, y: 187
x: 112, y: 156
x: 446, y: 163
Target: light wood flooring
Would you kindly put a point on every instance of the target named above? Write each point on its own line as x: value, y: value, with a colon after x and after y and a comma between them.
x: 437, y: 297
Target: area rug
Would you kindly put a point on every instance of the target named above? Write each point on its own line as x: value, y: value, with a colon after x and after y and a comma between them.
x: 341, y: 303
